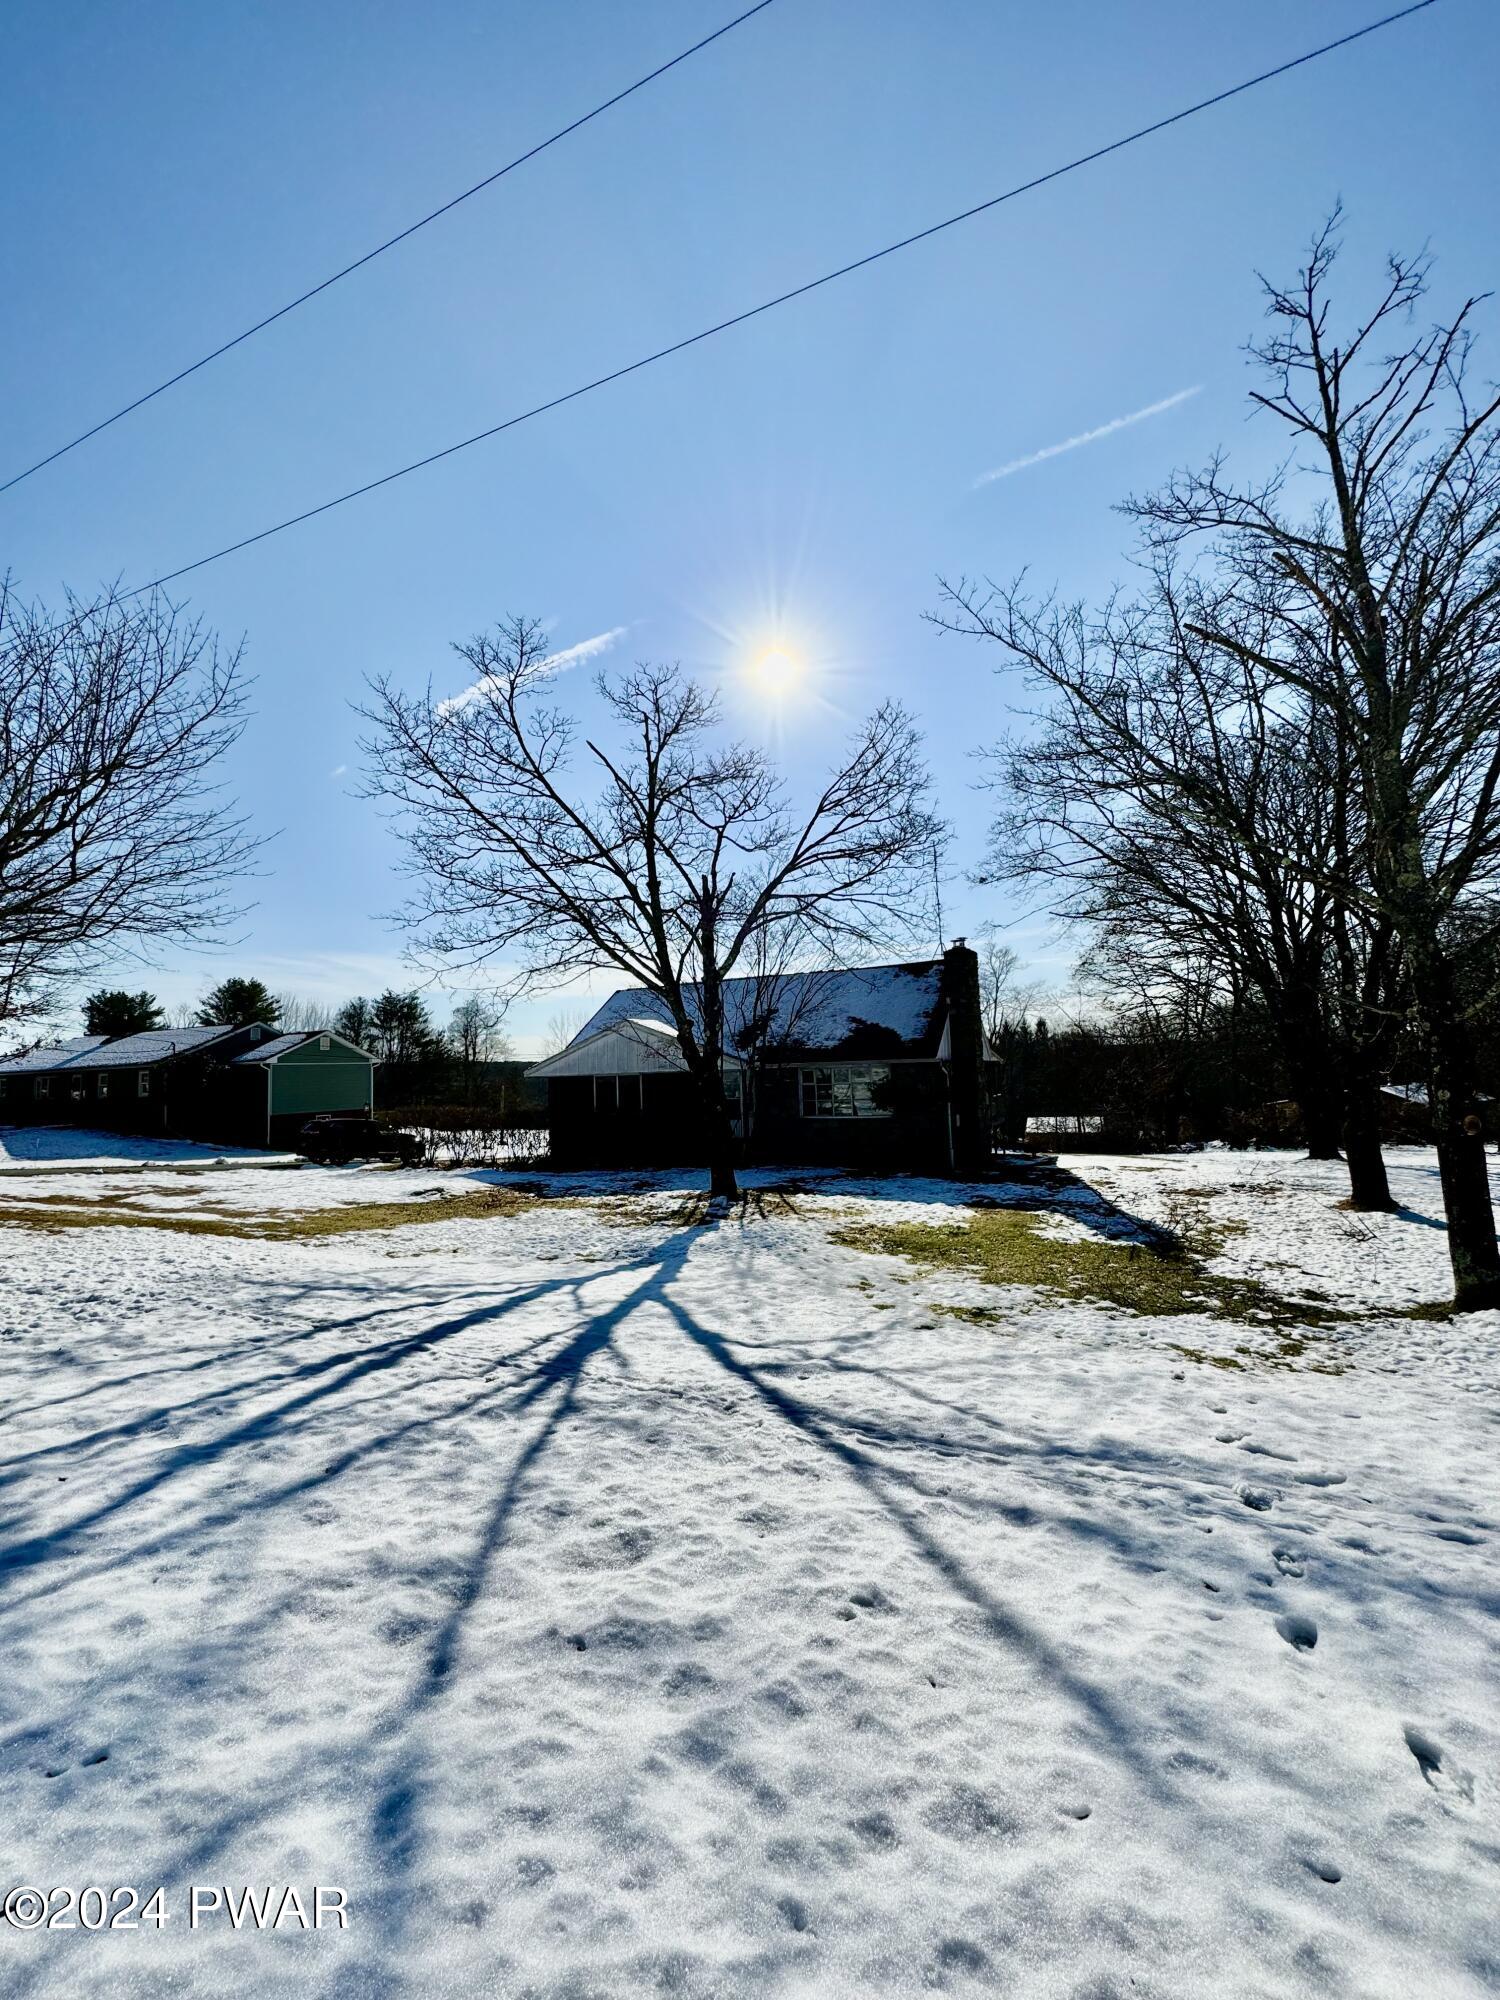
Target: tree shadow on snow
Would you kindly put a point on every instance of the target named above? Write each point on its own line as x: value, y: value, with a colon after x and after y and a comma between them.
x: 537, y: 1391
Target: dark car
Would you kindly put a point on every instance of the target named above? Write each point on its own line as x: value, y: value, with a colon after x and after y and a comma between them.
x: 329, y: 1140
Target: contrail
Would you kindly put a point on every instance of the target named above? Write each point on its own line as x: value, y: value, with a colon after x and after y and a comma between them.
x: 586, y: 649
x: 1087, y: 437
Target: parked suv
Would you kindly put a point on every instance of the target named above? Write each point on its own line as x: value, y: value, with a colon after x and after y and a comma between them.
x: 328, y: 1140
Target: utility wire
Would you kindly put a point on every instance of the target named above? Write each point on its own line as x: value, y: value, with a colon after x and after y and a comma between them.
x: 782, y: 298
x: 381, y: 248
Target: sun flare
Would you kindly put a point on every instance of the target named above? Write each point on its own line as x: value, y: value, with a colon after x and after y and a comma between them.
x: 775, y: 671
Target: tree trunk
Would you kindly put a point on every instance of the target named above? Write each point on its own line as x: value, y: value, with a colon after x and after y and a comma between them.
x: 722, y: 1149
x: 1318, y: 1104
x: 1464, y: 1170
x: 1368, y: 1186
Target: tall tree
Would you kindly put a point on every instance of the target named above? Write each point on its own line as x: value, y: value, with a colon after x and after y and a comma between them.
x: 401, y: 1031
x: 353, y: 1021
x: 687, y: 852
x: 1373, y: 558
x: 1170, y: 802
x: 111, y: 1011
x: 238, y: 1003
x: 475, y: 1037
x: 112, y: 838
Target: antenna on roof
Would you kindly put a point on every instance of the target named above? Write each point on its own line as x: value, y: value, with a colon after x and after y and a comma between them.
x: 937, y: 894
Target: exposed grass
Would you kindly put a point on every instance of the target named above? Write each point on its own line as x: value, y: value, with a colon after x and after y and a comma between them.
x: 1162, y: 1279
x: 58, y: 1212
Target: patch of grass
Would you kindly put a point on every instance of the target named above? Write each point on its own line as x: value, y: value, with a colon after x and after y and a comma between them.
x: 1162, y: 1278
x: 58, y: 1212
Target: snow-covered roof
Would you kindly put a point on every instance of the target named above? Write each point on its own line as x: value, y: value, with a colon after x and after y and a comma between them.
x: 871, y: 1010
x: 277, y: 1046
x: 153, y: 1045
x: 51, y: 1057
x: 1416, y: 1093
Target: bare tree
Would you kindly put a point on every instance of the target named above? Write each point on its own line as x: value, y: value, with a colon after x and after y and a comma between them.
x: 1373, y: 561
x: 1172, y: 803
x: 1007, y: 1001
x: 295, y: 1014
x: 112, y: 838
x: 686, y: 855
x: 475, y: 1037
x: 562, y: 1028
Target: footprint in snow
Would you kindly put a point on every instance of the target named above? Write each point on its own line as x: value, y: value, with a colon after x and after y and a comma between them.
x: 1437, y: 1767
x: 1326, y: 1871
x: 1465, y: 1536
x: 1286, y: 1561
x: 1298, y: 1631
x: 1260, y: 1498
x: 870, y: 1597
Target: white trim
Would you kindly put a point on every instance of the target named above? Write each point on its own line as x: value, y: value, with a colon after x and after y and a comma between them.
x: 653, y: 1039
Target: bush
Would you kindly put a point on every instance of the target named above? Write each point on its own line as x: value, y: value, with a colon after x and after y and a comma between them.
x: 461, y: 1135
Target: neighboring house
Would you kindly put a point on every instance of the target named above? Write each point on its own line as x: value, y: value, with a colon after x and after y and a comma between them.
x: 1063, y: 1131
x: 1404, y: 1113
x: 237, y: 1086
x: 880, y: 1066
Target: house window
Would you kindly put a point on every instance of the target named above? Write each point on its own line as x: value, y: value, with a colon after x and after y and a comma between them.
x: 845, y: 1090
x: 325, y: 1041
x: 43, y: 1086
x: 143, y: 1083
x: 102, y: 1083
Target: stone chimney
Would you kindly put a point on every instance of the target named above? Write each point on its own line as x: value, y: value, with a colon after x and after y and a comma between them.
x: 968, y: 1096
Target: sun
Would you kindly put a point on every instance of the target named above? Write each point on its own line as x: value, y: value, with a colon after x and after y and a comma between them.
x: 775, y: 671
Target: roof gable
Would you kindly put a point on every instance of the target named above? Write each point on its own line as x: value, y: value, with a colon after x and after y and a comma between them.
x: 282, y: 1045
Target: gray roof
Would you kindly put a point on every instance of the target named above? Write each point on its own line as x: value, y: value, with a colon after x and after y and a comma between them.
x: 869, y: 1010
x: 50, y: 1058
x: 123, y: 1052
x: 278, y: 1046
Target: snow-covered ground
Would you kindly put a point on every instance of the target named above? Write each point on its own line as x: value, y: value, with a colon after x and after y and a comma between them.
x: 615, y: 1604
x: 65, y: 1146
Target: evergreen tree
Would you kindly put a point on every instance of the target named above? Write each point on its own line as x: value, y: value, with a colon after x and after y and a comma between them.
x: 236, y: 1003
x: 354, y: 1021
x: 112, y: 1011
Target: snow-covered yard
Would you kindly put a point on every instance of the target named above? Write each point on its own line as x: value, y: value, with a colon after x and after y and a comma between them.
x: 615, y: 1601
x: 30, y: 1148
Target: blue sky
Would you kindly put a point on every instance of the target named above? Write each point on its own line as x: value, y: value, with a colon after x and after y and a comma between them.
x: 169, y: 172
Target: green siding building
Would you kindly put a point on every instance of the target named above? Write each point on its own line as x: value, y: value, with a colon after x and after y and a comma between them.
x: 303, y: 1074
x: 245, y: 1086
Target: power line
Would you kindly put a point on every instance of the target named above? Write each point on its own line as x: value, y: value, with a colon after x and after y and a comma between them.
x: 381, y: 248
x: 782, y: 298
